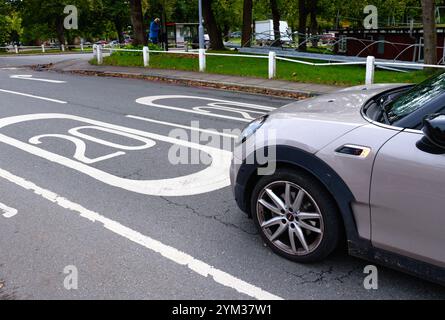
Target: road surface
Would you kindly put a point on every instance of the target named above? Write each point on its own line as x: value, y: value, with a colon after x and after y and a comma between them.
x: 87, y: 184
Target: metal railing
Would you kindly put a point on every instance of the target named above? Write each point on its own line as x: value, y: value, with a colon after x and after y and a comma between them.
x: 272, y: 58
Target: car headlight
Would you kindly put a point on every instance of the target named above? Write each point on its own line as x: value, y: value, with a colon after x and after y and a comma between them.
x: 251, y: 129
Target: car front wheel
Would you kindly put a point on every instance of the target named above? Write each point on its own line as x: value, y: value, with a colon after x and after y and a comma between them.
x: 296, y: 216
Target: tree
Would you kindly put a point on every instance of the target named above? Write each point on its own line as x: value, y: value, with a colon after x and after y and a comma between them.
x: 429, y: 31
x: 137, y: 22
x: 215, y: 35
x: 314, y: 22
x: 247, y: 23
x: 302, y: 22
x: 276, y: 22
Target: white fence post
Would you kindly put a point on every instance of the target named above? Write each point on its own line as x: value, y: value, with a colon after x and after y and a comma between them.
x: 63, y: 48
x: 370, y: 69
x: 272, y: 64
x: 100, y: 59
x: 146, y: 55
x: 16, y: 49
x: 43, y: 48
x: 202, y: 60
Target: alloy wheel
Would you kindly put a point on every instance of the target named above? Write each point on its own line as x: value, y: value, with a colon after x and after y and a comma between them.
x: 290, y: 218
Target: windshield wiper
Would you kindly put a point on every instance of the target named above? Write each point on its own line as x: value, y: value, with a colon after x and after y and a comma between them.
x: 382, y: 106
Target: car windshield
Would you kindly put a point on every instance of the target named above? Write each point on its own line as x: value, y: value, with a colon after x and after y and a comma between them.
x: 415, y: 98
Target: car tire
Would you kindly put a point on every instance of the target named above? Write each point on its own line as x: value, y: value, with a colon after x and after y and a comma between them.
x: 315, y: 198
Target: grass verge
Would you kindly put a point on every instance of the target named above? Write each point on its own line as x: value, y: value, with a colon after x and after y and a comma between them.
x: 250, y: 67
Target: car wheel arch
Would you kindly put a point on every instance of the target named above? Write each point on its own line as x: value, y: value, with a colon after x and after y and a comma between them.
x: 300, y: 160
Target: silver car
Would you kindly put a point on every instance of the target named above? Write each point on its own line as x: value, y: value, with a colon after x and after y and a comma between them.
x: 365, y: 165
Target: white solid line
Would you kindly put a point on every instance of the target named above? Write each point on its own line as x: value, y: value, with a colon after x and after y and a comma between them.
x: 166, y: 251
x: 30, y: 77
x: 8, y: 212
x: 170, y: 124
x: 32, y: 96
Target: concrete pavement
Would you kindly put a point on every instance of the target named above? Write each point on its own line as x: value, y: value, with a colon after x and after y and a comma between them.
x: 253, y: 85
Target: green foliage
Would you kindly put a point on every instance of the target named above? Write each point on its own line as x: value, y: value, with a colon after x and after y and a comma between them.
x: 34, y: 20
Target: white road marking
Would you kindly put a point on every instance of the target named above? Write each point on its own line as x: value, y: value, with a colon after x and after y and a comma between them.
x: 166, y: 251
x: 150, y: 101
x: 32, y: 96
x: 8, y: 212
x: 176, y: 125
x: 10, y: 68
x: 212, y: 178
x: 30, y: 77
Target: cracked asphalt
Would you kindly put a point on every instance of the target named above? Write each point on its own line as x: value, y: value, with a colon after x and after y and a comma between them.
x: 43, y: 238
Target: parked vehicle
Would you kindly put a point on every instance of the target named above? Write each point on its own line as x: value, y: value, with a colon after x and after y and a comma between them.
x: 328, y: 38
x: 128, y: 41
x: 235, y: 34
x: 367, y: 163
x: 264, y: 32
x: 114, y: 43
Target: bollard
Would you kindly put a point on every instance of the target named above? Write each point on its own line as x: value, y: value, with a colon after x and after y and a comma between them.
x: 100, y: 59
x: 272, y: 64
x: 370, y: 68
x: 146, y: 56
x: 94, y: 50
x: 43, y: 48
x: 202, y: 60
x: 16, y: 49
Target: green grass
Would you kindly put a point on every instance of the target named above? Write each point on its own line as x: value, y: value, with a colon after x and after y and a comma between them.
x: 250, y: 67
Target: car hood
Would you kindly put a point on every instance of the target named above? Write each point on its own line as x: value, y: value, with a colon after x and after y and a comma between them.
x: 341, y: 106
x: 314, y: 123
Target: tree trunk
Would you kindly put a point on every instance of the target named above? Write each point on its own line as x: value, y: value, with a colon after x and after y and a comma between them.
x: 216, y: 41
x: 314, y: 23
x: 276, y: 23
x: 60, y: 29
x: 137, y: 22
x: 302, y: 21
x: 119, y: 29
x: 429, y: 31
x: 246, y: 37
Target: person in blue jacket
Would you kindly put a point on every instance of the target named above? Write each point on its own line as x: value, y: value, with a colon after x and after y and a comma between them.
x: 154, y: 31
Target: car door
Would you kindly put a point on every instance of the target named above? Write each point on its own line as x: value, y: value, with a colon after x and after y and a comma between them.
x: 408, y: 200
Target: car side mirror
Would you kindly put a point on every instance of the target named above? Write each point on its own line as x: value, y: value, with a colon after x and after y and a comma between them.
x: 434, y: 134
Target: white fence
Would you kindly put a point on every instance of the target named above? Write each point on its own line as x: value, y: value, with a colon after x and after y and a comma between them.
x: 272, y: 58
x: 43, y: 48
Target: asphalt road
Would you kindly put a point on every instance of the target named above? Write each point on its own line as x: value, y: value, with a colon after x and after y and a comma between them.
x: 88, y: 196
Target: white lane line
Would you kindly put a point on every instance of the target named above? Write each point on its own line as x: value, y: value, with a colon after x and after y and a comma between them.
x: 32, y: 96
x: 8, y: 212
x: 170, y: 124
x: 166, y: 251
x: 10, y: 68
x: 145, y: 101
x: 30, y: 77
